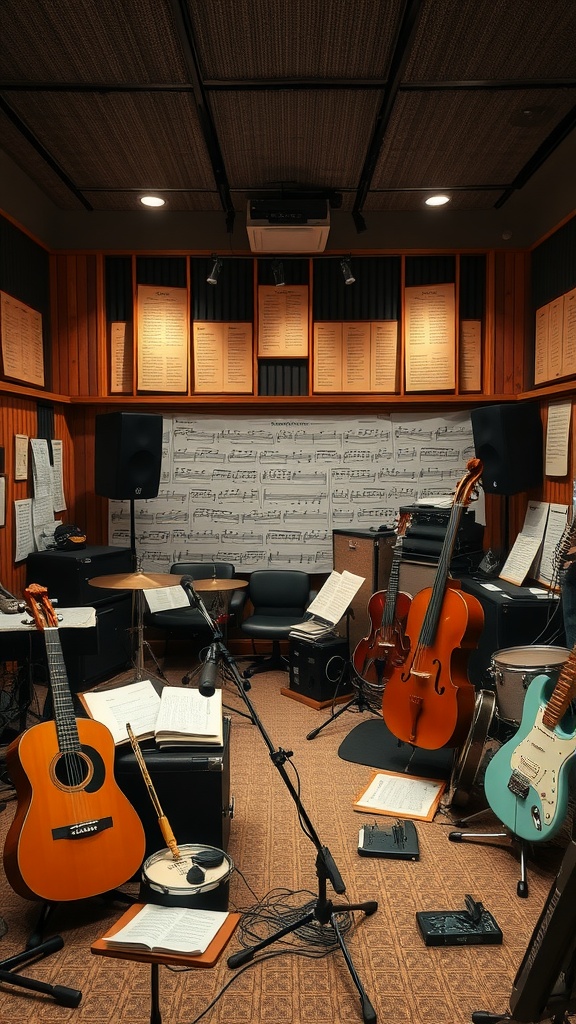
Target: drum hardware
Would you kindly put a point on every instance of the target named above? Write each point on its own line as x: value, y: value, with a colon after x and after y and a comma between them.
x: 473, y: 754
x: 138, y: 582
x: 191, y: 876
x: 513, y: 669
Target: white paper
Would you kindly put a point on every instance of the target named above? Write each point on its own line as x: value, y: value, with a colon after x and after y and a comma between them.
x: 187, y: 711
x: 398, y: 794
x: 175, y: 929
x: 557, y: 435
x: 136, y: 704
x: 555, y: 526
x: 68, y: 618
x: 162, y: 599
x: 521, y: 557
x: 41, y: 469
x: 59, y: 501
x: 24, y: 532
x: 335, y: 596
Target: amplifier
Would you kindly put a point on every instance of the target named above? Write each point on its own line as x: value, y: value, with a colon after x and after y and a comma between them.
x: 426, y: 533
x: 193, y: 788
x: 67, y: 574
x: 366, y: 553
x: 316, y: 668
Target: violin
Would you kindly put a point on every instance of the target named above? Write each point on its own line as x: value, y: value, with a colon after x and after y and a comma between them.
x: 385, y: 646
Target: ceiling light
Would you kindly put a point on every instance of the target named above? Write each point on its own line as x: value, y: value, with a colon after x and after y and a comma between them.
x: 152, y: 201
x: 278, y: 271
x: 215, y: 272
x: 346, y: 271
x: 439, y: 200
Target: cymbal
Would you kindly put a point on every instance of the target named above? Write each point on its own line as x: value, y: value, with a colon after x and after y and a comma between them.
x: 136, y: 581
x: 202, y: 586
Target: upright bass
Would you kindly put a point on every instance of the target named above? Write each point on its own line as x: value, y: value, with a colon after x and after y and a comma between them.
x: 429, y: 700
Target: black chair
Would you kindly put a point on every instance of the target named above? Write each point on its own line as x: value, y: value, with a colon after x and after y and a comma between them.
x: 279, y: 599
x: 188, y: 622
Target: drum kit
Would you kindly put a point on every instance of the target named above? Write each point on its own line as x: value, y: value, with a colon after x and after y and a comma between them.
x: 140, y: 581
x: 498, y: 713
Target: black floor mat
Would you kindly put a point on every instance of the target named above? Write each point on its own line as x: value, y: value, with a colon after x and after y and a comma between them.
x: 371, y: 743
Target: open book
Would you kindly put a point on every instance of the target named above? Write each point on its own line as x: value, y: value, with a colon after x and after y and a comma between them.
x: 176, y: 716
x: 329, y: 605
x: 169, y: 930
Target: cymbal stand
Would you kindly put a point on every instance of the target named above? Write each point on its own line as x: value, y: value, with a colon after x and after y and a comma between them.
x: 325, y: 911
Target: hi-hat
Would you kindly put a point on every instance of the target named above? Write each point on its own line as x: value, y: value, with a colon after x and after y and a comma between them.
x: 203, y: 586
x: 136, y: 581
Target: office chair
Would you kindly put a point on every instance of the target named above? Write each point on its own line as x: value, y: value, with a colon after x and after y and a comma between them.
x: 279, y: 598
x: 188, y: 622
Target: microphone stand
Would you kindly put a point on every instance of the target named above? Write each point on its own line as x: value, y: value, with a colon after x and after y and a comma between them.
x: 325, y: 911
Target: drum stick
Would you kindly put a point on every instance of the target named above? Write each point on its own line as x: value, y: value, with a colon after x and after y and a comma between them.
x: 162, y: 819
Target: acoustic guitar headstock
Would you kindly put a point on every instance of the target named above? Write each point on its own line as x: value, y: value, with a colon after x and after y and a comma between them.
x: 40, y: 606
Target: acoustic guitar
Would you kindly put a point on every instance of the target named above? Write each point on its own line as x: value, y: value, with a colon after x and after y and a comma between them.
x: 429, y: 700
x: 526, y: 782
x: 74, y: 834
x: 385, y: 646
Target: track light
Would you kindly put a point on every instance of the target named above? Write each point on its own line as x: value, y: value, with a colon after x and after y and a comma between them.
x: 278, y: 271
x: 347, y: 272
x: 215, y: 272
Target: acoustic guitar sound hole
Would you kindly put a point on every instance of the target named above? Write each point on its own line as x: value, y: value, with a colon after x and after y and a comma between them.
x: 81, y: 769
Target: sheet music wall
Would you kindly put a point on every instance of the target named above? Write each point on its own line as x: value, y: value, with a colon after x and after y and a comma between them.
x: 266, y: 492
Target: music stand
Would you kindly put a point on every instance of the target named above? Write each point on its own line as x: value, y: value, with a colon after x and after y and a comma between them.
x: 325, y: 912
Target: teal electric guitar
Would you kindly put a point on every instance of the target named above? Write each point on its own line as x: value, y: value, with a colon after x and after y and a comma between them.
x: 526, y: 782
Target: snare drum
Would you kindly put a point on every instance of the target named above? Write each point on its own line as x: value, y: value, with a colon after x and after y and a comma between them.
x: 514, y: 668
x: 165, y: 879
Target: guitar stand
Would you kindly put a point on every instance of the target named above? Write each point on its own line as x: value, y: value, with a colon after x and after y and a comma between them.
x: 325, y: 912
x: 62, y: 995
x: 461, y: 837
x: 35, y: 940
x: 359, y: 700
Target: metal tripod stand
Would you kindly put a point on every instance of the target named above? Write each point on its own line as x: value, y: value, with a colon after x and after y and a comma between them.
x: 325, y: 912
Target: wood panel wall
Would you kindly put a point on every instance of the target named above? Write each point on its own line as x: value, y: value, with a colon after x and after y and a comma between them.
x: 19, y: 416
x: 79, y: 371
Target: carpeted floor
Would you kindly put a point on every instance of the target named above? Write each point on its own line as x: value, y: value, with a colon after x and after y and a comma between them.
x: 304, y: 978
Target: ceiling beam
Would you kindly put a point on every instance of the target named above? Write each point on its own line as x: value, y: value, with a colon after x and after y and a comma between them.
x: 404, y: 39
x: 187, y: 40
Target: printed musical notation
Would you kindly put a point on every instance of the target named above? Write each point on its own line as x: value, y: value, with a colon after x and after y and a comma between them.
x: 269, y: 492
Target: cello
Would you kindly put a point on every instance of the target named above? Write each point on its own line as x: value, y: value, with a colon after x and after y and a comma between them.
x: 429, y: 700
x: 386, y: 646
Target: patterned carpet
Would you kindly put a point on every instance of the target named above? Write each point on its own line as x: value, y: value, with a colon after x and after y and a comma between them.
x: 304, y: 978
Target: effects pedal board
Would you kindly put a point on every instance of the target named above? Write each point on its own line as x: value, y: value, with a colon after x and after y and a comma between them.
x: 398, y: 843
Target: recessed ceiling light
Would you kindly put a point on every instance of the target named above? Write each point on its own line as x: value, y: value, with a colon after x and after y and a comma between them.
x: 152, y: 201
x: 437, y: 200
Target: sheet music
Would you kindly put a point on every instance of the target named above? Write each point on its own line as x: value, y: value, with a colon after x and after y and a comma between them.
x: 268, y: 492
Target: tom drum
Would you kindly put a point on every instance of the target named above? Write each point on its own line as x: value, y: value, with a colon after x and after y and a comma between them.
x: 514, y: 668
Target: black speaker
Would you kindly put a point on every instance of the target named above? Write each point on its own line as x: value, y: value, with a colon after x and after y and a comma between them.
x: 508, y: 441
x: 128, y: 455
x: 316, y: 668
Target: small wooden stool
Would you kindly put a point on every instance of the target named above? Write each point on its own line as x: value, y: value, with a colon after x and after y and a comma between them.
x: 206, y: 959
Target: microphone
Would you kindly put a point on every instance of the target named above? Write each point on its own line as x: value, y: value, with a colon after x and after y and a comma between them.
x: 209, y: 673
x: 187, y: 584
